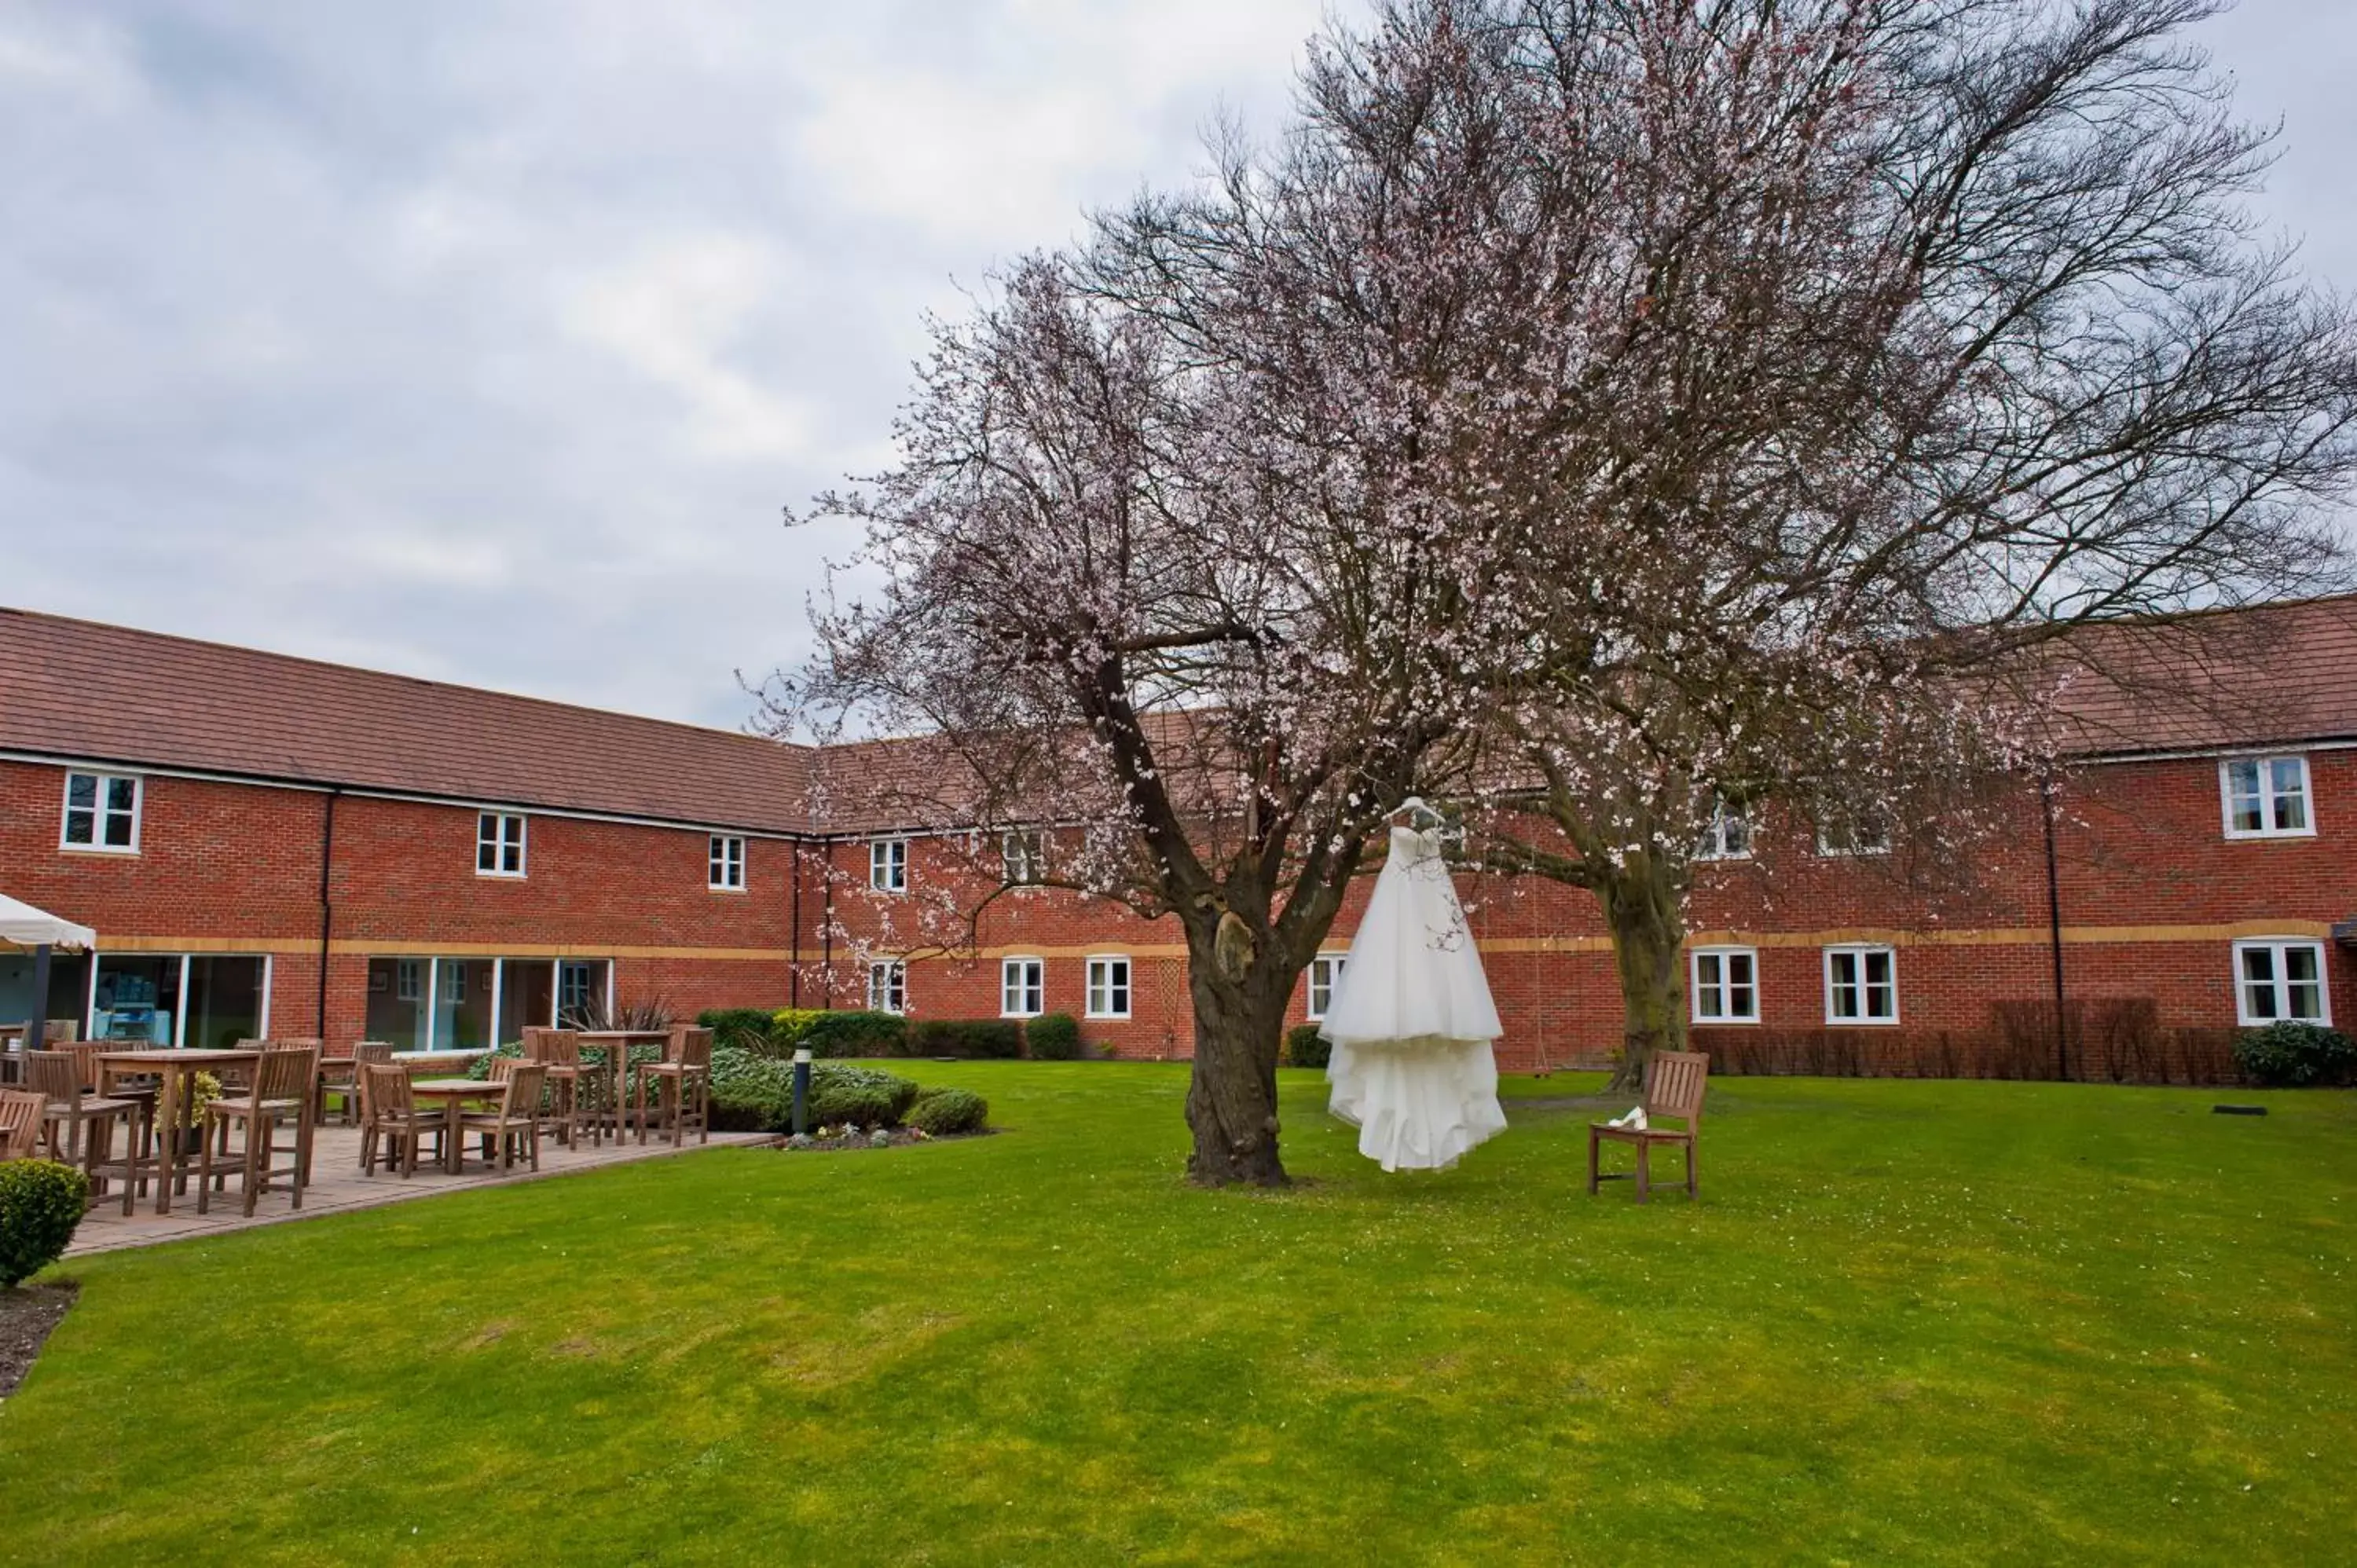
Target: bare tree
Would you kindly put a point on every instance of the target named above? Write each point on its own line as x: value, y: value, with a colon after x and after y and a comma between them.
x: 1932, y: 333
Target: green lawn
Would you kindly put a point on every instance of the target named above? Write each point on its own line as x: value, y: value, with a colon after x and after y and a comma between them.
x: 1908, y: 1322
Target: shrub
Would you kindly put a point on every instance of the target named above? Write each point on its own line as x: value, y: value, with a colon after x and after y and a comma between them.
x: 1054, y: 1037
x: 746, y: 1029
x: 966, y: 1037
x: 40, y: 1203
x: 1305, y: 1046
x: 750, y: 1093
x: 2295, y: 1054
x: 480, y: 1069
x: 789, y: 1028
x: 941, y: 1111
x: 867, y: 1095
x: 856, y: 1033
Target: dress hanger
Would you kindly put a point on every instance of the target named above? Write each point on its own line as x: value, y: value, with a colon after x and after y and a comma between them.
x: 1419, y: 815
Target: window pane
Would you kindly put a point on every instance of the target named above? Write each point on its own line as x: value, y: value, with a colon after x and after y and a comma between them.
x: 81, y: 790
x: 136, y: 999
x: 118, y: 830
x: 2291, y: 795
x: 122, y: 794
x: 80, y: 827
x: 224, y: 1002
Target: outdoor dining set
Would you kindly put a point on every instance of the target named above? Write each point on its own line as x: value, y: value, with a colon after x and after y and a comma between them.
x: 131, y: 1115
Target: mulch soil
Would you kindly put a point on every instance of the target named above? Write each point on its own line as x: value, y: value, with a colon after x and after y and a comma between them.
x: 27, y: 1316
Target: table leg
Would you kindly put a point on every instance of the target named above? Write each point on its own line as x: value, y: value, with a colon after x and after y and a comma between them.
x: 167, y: 1125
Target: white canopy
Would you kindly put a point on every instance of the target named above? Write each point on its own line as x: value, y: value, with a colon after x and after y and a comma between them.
x: 22, y: 926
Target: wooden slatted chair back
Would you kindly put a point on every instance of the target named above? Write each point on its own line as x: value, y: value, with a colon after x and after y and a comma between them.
x: 557, y: 1047
x: 85, y: 1056
x: 691, y: 1048
x: 387, y: 1091
x: 1674, y: 1082
x: 20, y: 1122
x: 286, y: 1075
x: 525, y: 1080
x: 55, y: 1076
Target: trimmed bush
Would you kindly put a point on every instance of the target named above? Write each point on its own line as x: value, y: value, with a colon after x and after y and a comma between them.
x: 41, y: 1201
x: 1053, y: 1037
x: 995, y: 1037
x: 1305, y: 1046
x: 789, y: 1028
x: 2294, y: 1055
x: 855, y: 1033
x: 942, y: 1112
x: 867, y: 1095
x: 746, y: 1029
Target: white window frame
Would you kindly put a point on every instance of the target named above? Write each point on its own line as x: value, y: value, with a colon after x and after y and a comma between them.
x: 724, y: 863
x: 1854, y: 849
x: 99, y: 811
x: 497, y: 843
x: 2267, y: 796
x: 1022, y: 987
x: 1103, y: 988
x: 1861, y: 951
x: 2279, y: 983
x: 1023, y: 857
x: 1723, y: 956
x: 1325, y: 973
x: 888, y: 865
x: 1726, y: 822
x: 888, y: 985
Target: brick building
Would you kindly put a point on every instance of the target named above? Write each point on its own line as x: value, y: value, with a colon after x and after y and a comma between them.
x: 275, y: 846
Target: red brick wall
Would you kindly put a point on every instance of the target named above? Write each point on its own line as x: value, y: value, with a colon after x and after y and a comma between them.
x: 2152, y: 896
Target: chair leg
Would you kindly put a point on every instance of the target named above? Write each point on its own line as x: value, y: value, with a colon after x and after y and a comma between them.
x: 1644, y: 1169
x: 1692, y: 1145
x: 259, y: 1141
x: 1595, y: 1141
x: 205, y: 1167
x: 302, y: 1154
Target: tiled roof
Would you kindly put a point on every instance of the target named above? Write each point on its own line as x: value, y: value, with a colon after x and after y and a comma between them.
x: 2266, y: 675
x: 108, y: 694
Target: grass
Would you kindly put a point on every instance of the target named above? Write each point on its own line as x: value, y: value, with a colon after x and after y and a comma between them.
x: 1908, y: 1322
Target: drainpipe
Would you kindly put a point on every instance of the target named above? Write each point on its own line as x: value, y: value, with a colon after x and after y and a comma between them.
x: 326, y: 903
x: 2054, y: 927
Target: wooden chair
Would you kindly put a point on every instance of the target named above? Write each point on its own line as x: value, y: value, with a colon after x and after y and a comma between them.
x: 366, y: 1054
x: 574, y: 1087
x: 21, y: 1114
x: 56, y: 1077
x: 283, y: 1085
x: 684, y: 1079
x: 389, y: 1112
x: 516, y: 1123
x: 1674, y: 1081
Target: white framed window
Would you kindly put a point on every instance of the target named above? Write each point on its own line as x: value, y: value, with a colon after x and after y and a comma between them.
x: 2266, y: 797
x: 1866, y: 832
x: 1109, y: 986
x: 499, y: 845
x: 1325, y: 975
x: 1728, y: 836
x: 1724, y: 983
x: 888, y: 865
x: 1025, y: 857
x: 1022, y: 987
x: 887, y: 986
x: 2275, y: 980
x: 728, y: 861
x: 1861, y: 985
x: 576, y: 985
x: 408, y: 980
x: 101, y: 813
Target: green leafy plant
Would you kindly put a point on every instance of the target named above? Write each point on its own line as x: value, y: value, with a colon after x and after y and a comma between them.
x: 867, y: 1095
x: 1305, y: 1046
x: 748, y: 1028
x: 1053, y: 1037
x: 939, y: 1112
x: 966, y: 1037
x: 41, y: 1202
x: 2295, y: 1055
x: 755, y: 1093
x: 856, y: 1032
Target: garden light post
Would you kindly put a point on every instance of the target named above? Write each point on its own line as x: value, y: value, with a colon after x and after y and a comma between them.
x: 802, y: 1091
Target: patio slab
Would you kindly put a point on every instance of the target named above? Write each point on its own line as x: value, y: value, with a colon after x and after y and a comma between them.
x: 337, y: 1188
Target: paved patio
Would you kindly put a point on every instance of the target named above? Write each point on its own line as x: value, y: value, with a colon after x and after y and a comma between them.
x: 339, y: 1188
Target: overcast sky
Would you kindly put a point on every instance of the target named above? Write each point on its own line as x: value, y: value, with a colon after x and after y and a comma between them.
x: 487, y: 339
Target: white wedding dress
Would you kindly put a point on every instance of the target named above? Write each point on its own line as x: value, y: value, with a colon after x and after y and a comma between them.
x: 1411, y: 1020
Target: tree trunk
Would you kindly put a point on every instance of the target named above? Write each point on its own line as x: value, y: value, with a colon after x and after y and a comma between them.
x: 1645, y: 908
x: 1232, y: 1096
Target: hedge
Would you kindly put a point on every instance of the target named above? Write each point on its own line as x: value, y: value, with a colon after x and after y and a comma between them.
x: 743, y: 1029
x: 2295, y: 1055
x: 41, y: 1202
x: 996, y: 1038
x: 1053, y: 1037
x: 856, y: 1033
x: 942, y: 1112
x: 1305, y: 1046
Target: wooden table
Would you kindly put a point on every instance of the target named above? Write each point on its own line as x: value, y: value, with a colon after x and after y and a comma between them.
x: 452, y: 1092
x: 617, y: 1044
x: 176, y: 1068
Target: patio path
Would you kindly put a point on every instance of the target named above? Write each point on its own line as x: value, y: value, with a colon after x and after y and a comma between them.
x: 337, y: 1188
